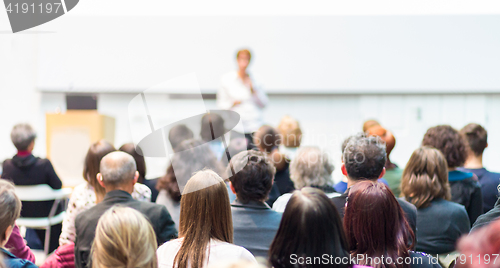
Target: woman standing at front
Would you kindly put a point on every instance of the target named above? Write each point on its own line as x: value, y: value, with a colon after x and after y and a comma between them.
x: 238, y: 92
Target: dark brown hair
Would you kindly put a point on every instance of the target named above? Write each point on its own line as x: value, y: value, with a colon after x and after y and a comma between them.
x: 310, y: 226
x: 92, y: 163
x: 254, y: 180
x: 425, y: 177
x: 449, y: 142
x: 212, y: 126
x: 193, y: 155
x: 375, y: 224
x: 138, y: 157
x: 205, y: 214
x: 267, y: 138
x: 476, y: 137
x: 178, y: 134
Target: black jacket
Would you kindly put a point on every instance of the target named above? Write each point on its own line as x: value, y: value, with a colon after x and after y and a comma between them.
x: 466, y: 190
x: 31, y: 170
x: 487, y: 217
x: 86, y: 222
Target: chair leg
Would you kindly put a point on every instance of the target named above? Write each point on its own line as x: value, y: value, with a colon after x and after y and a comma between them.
x: 47, y: 240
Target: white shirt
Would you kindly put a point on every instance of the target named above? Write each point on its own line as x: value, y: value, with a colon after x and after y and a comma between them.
x: 280, y: 204
x: 250, y: 109
x: 218, y: 252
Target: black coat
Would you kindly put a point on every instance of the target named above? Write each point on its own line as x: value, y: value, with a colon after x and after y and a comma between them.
x: 86, y: 222
x: 487, y: 217
x: 31, y: 170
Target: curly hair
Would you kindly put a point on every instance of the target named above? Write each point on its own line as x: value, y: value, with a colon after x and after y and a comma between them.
x: 449, y: 142
x: 311, y: 167
x: 364, y: 157
x: 254, y: 180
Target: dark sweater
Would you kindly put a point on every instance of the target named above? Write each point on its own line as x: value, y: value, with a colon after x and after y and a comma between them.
x: 440, y: 225
x: 466, y: 190
x: 487, y: 217
x: 31, y: 170
x: 489, y: 186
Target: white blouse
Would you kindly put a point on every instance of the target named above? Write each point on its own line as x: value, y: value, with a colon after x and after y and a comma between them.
x: 83, y: 198
x: 217, y: 251
x: 233, y: 89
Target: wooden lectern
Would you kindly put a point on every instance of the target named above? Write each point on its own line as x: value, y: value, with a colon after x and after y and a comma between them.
x: 69, y: 137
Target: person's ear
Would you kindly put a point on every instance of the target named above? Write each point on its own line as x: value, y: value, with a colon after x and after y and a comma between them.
x: 344, y: 170
x: 136, y: 177
x: 99, y: 180
x: 232, y: 188
x: 382, y: 174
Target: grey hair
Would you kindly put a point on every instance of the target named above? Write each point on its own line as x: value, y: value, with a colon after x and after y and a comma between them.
x: 311, y: 167
x: 364, y: 157
x: 117, y: 168
x: 22, y: 135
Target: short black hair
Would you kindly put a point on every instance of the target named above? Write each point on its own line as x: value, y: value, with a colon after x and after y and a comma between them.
x: 254, y: 180
x: 476, y: 137
x: 178, y: 134
x: 364, y: 157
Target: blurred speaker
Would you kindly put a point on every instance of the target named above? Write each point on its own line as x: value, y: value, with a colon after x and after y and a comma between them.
x: 81, y: 102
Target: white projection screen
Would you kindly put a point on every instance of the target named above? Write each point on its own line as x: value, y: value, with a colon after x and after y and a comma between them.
x: 291, y: 54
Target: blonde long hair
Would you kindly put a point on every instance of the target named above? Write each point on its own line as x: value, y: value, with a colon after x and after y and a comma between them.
x: 124, y: 239
x: 205, y: 214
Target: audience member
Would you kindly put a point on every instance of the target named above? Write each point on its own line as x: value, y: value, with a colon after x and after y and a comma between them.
x: 26, y: 169
x: 195, y: 156
x: 87, y: 194
x: 118, y: 174
x: 240, y: 93
x: 487, y: 217
x: 465, y: 189
x: 440, y: 222
x: 212, y: 127
x: 124, y: 238
x: 310, y: 168
x: 392, y: 172
x: 18, y: 247
x: 254, y: 222
x: 267, y: 140
x: 310, y: 227
x: 10, y: 209
x: 369, y: 123
x: 141, y: 168
x: 206, y: 229
x: 291, y: 134
x: 364, y: 159
x: 377, y: 229
x: 477, y: 140
x: 341, y: 186
x: 481, y: 248
x: 178, y: 134
x: 63, y: 257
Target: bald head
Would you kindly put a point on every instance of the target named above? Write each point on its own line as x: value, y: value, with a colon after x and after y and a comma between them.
x: 117, y: 168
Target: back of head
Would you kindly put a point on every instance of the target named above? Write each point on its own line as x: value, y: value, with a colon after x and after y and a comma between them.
x: 364, y: 157
x: 91, y: 166
x: 476, y: 138
x: 138, y: 157
x: 370, y: 123
x: 425, y: 177
x: 192, y: 156
x: 479, y: 247
x: 22, y: 135
x: 124, y: 238
x: 375, y: 224
x: 310, y: 226
x: 178, y: 134
x: 267, y: 138
x: 449, y: 142
x: 254, y: 180
x: 10, y: 207
x: 311, y: 167
x: 117, y: 168
x: 212, y: 126
x: 290, y: 131
x: 205, y: 214
x: 386, y: 136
